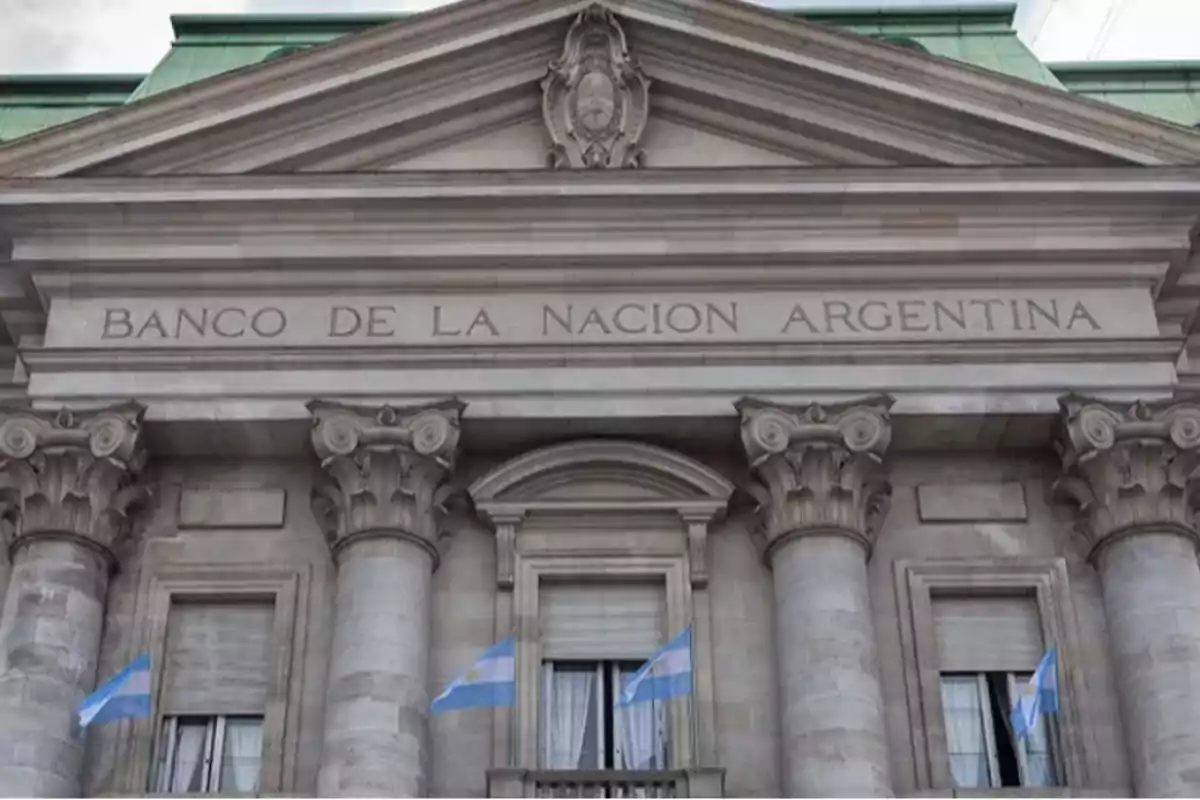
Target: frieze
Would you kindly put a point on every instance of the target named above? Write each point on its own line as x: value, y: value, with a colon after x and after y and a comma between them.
x: 608, y: 318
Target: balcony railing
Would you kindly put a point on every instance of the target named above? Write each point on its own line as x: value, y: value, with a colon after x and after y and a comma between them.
x: 703, y: 782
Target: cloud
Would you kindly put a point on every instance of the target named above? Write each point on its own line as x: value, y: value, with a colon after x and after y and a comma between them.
x: 93, y: 35
x: 40, y: 36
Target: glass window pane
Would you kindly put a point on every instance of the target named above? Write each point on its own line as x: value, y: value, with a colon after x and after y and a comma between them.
x: 641, y: 731
x: 241, y: 757
x: 187, y: 762
x: 965, y: 739
x: 570, y: 737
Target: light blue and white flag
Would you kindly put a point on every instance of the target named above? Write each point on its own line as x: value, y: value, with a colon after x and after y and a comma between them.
x: 1039, y: 696
x: 667, y: 673
x: 491, y: 681
x: 127, y: 694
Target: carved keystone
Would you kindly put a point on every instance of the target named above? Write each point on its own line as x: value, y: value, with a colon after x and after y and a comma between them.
x: 822, y: 466
x: 595, y: 98
x: 1130, y: 468
x: 384, y: 471
x: 70, y: 475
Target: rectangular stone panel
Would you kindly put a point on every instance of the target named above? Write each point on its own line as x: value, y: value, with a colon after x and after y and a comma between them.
x: 232, y: 508
x: 971, y: 502
x: 617, y: 318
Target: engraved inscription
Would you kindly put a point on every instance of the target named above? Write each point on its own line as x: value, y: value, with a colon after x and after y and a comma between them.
x: 515, y: 319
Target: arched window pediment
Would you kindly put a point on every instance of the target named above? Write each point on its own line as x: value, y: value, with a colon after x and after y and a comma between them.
x: 602, y: 471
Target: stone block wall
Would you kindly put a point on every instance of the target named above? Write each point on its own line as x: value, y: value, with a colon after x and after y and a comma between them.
x: 961, y: 505
x: 249, y: 535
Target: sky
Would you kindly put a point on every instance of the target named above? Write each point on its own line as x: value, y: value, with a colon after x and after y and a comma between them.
x: 130, y: 36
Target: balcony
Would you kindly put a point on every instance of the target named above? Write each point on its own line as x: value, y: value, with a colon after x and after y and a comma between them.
x: 699, y: 782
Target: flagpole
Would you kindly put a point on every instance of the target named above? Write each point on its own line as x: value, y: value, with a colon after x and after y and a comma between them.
x: 695, y: 725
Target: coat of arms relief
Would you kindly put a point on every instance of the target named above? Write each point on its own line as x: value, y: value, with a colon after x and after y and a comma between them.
x: 595, y: 98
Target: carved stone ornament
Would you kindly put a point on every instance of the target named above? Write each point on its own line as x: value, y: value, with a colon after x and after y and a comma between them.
x: 595, y: 98
x: 821, y: 466
x: 1130, y: 468
x: 71, y: 475
x: 384, y: 471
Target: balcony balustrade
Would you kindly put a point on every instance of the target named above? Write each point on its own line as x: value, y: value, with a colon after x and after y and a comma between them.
x: 700, y: 782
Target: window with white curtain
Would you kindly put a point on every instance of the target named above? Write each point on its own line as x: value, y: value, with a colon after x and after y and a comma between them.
x: 213, y: 698
x: 595, y: 635
x: 210, y: 754
x: 583, y: 728
x: 984, y: 753
x: 987, y: 647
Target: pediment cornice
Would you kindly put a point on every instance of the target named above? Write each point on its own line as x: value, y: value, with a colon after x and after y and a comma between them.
x: 818, y: 95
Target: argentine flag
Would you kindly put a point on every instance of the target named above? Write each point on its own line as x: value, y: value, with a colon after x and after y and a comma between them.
x: 491, y: 681
x: 667, y: 673
x: 126, y: 695
x: 1039, y: 696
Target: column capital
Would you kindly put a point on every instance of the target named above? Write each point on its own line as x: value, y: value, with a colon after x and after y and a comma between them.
x: 70, y: 474
x: 384, y: 470
x: 822, y: 466
x: 1129, y: 466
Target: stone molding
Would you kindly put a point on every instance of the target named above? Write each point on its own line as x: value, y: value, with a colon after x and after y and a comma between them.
x: 821, y: 466
x: 595, y: 97
x: 384, y: 471
x: 71, y: 474
x: 1130, y: 467
x: 499, y: 485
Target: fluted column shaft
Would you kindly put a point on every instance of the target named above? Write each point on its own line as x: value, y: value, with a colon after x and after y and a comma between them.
x: 824, y: 494
x: 1130, y: 469
x: 68, y: 481
x: 383, y: 471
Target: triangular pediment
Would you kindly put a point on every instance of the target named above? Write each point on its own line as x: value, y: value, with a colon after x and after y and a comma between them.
x: 715, y: 83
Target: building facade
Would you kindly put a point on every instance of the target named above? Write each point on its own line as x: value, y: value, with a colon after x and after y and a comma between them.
x: 857, y: 344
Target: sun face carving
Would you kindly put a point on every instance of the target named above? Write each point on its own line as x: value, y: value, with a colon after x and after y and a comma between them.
x: 595, y: 97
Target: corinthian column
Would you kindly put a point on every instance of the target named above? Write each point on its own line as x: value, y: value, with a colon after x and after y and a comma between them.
x: 68, y: 481
x: 1131, y: 470
x: 825, y: 493
x: 384, y: 471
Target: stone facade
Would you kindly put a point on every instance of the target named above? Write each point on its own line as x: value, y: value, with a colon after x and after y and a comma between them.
x: 816, y: 336
x: 447, y: 591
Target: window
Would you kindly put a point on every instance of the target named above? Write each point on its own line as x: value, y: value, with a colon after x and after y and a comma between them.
x: 583, y: 728
x: 979, y: 739
x: 594, y: 637
x: 210, y: 754
x: 213, y: 698
x: 988, y: 646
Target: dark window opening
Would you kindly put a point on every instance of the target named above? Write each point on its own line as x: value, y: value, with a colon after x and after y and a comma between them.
x: 1006, y: 754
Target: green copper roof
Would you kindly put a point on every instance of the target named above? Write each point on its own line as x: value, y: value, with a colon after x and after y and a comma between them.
x: 208, y: 45
x: 29, y: 103
x: 1166, y: 89
x: 211, y: 44
x: 978, y: 35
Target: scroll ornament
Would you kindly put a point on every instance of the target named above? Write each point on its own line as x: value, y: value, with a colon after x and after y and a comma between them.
x: 71, y: 475
x: 821, y: 466
x: 595, y: 98
x: 1130, y: 467
x: 384, y: 470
